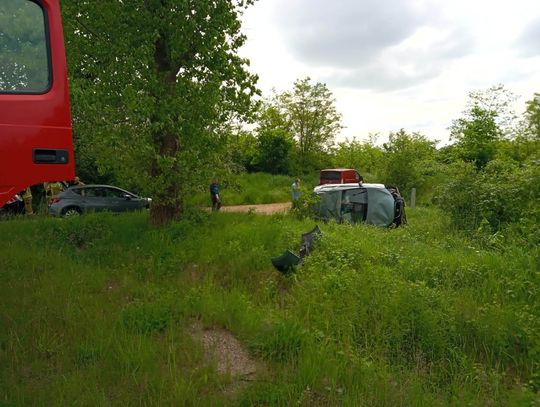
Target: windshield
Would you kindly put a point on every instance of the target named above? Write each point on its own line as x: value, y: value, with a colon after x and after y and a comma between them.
x: 331, y: 175
x: 24, y: 57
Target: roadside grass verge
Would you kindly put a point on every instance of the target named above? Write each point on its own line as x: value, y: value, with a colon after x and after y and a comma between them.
x: 97, y: 310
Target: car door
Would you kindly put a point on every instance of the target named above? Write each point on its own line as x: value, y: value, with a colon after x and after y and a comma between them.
x: 354, y: 205
x: 122, y: 201
x: 96, y: 200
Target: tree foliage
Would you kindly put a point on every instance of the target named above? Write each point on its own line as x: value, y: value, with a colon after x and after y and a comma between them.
x: 362, y: 155
x: 274, y: 141
x: 243, y: 150
x: 274, y: 150
x: 489, y: 117
x: 153, y: 83
x: 408, y: 160
x: 313, y: 119
x: 498, y: 102
x: 532, y: 116
x: 493, y: 186
x: 476, y: 136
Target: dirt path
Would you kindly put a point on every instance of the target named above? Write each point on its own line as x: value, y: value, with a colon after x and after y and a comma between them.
x: 264, y: 208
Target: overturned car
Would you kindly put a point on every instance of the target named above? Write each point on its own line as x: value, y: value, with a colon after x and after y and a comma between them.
x: 374, y: 204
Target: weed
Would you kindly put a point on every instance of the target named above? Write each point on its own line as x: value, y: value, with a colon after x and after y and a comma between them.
x: 147, y: 317
x: 87, y: 353
x: 281, y: 341
x: 79, y: 233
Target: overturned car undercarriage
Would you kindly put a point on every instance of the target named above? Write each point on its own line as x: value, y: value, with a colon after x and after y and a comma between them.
x: 373, y: 204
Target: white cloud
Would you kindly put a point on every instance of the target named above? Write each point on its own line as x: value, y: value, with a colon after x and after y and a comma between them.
x: 345, y: 33
x: 395, y: 64
x: 528, y: 42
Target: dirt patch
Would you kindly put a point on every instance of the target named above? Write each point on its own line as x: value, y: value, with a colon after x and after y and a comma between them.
x: 264, y: 208
x: 230, y: 356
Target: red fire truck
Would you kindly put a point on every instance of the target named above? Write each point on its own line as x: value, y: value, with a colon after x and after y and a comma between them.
x: 35, y: 121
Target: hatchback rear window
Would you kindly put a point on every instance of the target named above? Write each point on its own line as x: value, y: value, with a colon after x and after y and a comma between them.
x: 333, y: 175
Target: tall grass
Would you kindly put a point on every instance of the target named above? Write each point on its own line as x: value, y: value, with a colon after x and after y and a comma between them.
x: 98, y: 310
x: 253, y: 189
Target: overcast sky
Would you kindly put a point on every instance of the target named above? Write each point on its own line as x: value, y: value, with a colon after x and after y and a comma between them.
x: 395, y: 64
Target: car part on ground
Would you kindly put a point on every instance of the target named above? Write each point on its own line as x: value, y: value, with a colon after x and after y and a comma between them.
x: 288, y: 260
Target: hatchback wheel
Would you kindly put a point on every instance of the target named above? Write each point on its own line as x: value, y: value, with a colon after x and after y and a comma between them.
x: 69, y: 212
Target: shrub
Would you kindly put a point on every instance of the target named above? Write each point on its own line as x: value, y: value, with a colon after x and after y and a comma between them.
x: 490, y: 200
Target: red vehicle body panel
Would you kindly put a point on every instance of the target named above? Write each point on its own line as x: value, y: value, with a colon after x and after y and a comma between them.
x: 339, y: 176
x: 37, y: 121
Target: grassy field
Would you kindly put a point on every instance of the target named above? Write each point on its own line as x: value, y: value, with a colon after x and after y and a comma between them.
x: 254, y: 189
x: 102, y: 310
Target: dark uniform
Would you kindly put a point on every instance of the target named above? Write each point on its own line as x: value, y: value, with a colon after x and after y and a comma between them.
x: 214, y: 196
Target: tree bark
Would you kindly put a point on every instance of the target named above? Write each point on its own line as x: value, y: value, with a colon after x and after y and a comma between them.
x: 164, y: 213
x: 169, y: 206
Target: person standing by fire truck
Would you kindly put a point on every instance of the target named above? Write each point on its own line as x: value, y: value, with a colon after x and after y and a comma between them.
x: 27, y: 198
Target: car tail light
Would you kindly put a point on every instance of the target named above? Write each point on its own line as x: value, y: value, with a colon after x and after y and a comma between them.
x: 55, y: 200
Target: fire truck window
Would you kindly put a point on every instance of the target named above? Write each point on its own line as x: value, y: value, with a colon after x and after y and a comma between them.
x: 24, y: 63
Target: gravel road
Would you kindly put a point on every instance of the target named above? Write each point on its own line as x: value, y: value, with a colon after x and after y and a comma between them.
x: 265, y: 208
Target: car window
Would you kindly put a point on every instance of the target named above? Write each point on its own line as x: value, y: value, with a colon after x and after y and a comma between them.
x: 114, y: 193
x: 95, y: 192
x: 89, y: 192
x: 24, y: 55
x: 331, y: 175
x: 358, y: 195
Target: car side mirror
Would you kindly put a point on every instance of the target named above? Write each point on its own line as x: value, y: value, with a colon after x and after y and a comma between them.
x: 127, y: 197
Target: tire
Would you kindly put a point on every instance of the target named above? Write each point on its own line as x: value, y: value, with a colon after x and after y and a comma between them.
x: 71, y: 211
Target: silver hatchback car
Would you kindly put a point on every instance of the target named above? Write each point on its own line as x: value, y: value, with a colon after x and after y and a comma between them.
x: 96, y: 198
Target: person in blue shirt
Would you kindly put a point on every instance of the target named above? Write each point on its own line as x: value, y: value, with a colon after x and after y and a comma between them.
x: 214, y: 195
x: 295, y: 192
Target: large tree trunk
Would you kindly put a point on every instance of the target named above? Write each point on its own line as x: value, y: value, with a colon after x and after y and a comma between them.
x: 168, y: 207
x: 162, y: 213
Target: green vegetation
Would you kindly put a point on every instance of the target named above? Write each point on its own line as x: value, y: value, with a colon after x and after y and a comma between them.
x: 98, y: 310
x: 500, y: 200
x: 105, y: 310
x: 254, y: 188
x: 154, y: 122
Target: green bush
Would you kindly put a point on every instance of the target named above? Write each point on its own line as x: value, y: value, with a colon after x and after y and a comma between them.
x: 489, y: 201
